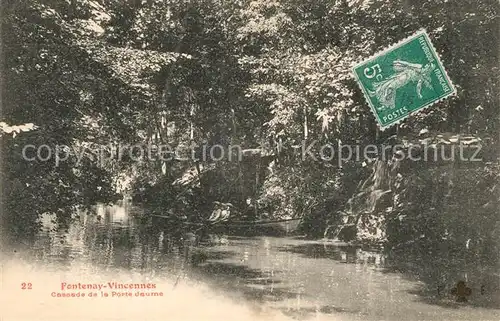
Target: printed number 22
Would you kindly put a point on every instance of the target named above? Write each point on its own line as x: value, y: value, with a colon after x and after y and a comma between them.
x: 26, y: 286
x: 374, y: 70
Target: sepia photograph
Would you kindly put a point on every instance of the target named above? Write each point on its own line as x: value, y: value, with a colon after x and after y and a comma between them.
x: 250, y: 160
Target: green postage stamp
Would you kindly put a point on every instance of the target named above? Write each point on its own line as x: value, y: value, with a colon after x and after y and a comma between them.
x: 403, y: 79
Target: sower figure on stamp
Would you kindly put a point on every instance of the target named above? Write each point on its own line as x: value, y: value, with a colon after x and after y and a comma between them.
x: 405, y: 72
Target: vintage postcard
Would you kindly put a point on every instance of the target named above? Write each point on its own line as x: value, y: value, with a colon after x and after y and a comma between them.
x: 269, y: 160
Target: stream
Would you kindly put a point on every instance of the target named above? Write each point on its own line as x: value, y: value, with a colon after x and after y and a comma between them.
x: 232, y: 277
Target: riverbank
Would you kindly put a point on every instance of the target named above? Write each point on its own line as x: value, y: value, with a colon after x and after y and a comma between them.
x: 227, y: 277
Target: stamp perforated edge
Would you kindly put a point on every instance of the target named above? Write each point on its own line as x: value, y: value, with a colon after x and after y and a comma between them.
x: 415, y: 35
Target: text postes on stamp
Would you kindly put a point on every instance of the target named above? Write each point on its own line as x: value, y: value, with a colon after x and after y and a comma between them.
x: 403, y: 79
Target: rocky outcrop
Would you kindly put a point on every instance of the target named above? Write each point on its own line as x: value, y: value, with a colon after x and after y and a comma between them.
x: 408, y: 185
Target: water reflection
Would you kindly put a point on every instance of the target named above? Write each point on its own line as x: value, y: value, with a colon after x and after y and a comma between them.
x: 339, y: 252
x: 301, y: 278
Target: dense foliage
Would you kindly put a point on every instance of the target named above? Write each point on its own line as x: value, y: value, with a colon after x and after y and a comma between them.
x: 266, y: 75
